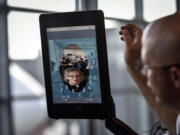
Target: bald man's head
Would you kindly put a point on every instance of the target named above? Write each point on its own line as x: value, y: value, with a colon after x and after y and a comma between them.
x: 161, y: 41
x: 161, y: 57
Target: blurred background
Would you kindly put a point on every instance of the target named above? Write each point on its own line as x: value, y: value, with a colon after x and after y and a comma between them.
x: 22, y: 92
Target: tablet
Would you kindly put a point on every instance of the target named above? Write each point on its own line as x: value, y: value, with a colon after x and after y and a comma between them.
x: 75, y: 65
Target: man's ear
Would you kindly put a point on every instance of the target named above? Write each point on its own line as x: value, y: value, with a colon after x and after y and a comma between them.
x: 175, y: 76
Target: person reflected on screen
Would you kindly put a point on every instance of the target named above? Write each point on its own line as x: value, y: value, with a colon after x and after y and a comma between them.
x: 74, y: 79
x: 81, y: 65
x: 153, y: 60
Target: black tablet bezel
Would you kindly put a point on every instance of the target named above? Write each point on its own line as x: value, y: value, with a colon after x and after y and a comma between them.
x: 80, y: 110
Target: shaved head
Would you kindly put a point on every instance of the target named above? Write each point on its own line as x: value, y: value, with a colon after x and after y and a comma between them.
x: 160, y: 49
x: 161, y: 41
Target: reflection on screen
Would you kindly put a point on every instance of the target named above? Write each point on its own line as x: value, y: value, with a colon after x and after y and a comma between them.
x: 74, y: 64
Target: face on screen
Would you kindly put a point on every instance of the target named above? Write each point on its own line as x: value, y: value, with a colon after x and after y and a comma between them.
x: 74, y: 67
x: 74, y: 64
x: 73, y: 77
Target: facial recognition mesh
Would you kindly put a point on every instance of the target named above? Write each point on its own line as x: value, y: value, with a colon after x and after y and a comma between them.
x: 74, y: 66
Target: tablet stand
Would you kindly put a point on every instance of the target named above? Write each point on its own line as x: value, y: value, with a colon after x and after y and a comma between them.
x: 118, y: 127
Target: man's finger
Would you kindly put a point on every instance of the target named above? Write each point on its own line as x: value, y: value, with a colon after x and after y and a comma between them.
x: 127, y: 37
x: 120, y: 33
x: 123, y: 27
x: 133, y: 27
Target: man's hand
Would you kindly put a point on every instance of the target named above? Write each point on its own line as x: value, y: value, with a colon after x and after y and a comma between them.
x: 132, y: 35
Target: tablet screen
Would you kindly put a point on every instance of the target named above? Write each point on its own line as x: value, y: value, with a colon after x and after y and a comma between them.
x: 74, y: 64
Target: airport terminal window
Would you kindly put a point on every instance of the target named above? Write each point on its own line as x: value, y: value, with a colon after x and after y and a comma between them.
x: 24, y: 35
x: 125, y: 8
x: 26, y: 71
x: 24, y: 49
x: 50, y: 5
x: 154, y: 9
